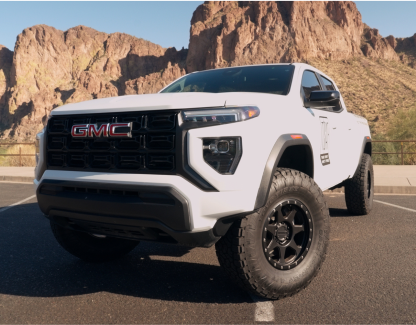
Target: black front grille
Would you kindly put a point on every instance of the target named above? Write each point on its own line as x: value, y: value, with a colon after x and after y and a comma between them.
x: 151, y: 149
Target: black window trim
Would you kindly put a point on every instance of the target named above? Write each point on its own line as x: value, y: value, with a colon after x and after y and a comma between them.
x: 322, y: 85
x: 329, y: 109
x: 301, y: 87
x: 323, y: 82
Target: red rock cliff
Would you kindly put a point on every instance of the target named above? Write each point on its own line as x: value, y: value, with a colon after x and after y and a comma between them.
x: 50, y: 68
x: 235, y: 33
x: 6, y: 60
x: 231, y: 33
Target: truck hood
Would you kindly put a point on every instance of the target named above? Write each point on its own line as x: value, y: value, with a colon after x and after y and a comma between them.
x: 162, y: 102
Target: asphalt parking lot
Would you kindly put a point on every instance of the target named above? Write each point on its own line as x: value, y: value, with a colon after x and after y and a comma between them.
x: 368, y: 277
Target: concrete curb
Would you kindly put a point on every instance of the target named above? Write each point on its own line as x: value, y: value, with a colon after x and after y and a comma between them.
x: 19, y: 179
x: 384, y: 190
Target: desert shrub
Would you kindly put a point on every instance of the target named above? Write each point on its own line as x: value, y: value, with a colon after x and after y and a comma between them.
x: 403, y: 125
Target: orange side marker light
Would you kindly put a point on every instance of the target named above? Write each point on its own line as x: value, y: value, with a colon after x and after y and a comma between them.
x: 296, y: 136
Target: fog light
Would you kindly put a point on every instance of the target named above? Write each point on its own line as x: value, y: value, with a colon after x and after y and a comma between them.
x: 223, y: 146
x: 222, y: 154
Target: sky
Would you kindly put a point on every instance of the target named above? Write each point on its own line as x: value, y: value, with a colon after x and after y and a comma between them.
x: 164, y: 23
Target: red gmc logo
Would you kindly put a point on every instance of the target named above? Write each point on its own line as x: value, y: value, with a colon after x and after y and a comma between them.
x: 105, y: 130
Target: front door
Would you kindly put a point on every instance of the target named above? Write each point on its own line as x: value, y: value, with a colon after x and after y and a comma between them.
x: 325, y: 130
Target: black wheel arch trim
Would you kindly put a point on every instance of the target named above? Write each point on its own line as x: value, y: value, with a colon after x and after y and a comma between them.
x: 281, y: 144
x: 366, y: 148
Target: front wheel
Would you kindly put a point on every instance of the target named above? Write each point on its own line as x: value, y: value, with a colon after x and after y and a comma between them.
x: 359, y: 190
x: 277, y: 251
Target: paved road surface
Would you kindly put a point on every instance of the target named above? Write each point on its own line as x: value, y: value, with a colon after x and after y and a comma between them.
x: 368, y: 277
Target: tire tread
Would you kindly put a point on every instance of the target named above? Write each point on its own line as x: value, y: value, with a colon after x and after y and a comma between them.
x: 355, y: 190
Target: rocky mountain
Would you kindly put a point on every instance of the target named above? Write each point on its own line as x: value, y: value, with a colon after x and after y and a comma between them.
x: 234, y: 33
x: 49, y: 67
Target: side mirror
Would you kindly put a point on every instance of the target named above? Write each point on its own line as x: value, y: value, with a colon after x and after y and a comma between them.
x: 324, y: 98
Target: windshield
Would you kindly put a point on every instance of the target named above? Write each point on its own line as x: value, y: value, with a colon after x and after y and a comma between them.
x: 271, y: 79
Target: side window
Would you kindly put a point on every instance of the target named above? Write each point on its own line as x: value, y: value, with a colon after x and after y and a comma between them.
x: 309, y: 83
x: 328, y: 84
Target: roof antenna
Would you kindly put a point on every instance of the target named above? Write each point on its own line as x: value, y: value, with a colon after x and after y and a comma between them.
x: 225, y: 104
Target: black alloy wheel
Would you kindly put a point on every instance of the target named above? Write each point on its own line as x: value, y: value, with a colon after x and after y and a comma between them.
x: 277, y: 251
x: 287, y: 234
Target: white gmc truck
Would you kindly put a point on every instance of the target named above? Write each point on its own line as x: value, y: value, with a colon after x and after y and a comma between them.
x: 237, y: 157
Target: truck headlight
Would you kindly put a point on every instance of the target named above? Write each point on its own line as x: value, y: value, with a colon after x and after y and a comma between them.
x: 222, y: 154
x: 215, y: 116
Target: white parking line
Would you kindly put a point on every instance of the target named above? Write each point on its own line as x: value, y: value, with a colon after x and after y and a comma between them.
x: 17, y: 203
x: 393, y: 205
x: 264, y: 310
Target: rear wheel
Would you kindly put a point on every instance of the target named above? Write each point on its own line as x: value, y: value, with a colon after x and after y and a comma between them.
x: 359, y: 190
x: 277, y: 251
x: 92, y: 248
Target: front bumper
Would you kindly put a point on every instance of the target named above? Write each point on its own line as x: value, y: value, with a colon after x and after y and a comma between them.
x: 114, y: 203
x: 141, y: 207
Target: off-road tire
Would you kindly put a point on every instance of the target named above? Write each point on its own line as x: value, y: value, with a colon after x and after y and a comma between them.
x: 359, y: 190
x: 240, y: 252
x: 91, y: 248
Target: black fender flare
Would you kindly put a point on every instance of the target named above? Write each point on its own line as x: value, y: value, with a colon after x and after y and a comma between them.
x: 366, y: 147
x: 283, y: 142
